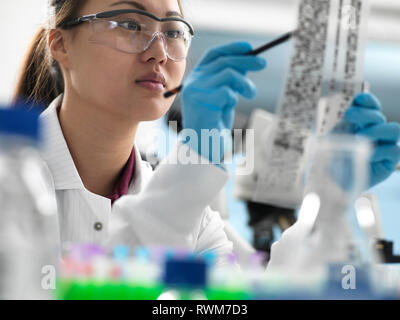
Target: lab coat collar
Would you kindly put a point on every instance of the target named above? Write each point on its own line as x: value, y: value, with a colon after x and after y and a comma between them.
x: 59, y: 160
x: 55, y: 150
x: 142, y: 174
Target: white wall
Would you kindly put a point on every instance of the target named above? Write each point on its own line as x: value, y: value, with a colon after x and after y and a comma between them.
x: 19, y: 21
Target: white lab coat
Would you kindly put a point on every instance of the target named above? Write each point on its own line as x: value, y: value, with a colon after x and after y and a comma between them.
x: 166, y: 207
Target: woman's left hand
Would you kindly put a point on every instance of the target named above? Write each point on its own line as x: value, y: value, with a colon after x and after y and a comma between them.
x: 365, y: 118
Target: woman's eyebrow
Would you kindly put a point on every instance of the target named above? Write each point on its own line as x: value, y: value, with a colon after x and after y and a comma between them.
x: 173, y: 14
x: 139, y: 6
x: 135, y: 4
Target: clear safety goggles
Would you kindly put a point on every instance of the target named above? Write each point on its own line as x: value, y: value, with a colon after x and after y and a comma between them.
x: 133, y: 31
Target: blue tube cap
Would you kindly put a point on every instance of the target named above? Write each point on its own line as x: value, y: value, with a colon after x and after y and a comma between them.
x: 185, y: 273
x: 20, y: 121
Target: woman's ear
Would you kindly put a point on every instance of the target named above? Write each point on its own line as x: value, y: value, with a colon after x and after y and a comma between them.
x: 57, y: 46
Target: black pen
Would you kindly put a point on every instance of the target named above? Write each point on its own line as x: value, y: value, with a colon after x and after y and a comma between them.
x: 254, y: 52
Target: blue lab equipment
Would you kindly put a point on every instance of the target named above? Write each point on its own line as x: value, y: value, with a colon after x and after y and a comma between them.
x: 28, y: 209
x: 184, y: 278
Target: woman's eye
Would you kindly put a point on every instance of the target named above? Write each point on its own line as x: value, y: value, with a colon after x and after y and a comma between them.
x: 175, y: 34
x: 129, y: 25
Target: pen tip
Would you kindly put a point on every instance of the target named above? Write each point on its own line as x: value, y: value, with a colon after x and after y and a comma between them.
x: 168, y: 94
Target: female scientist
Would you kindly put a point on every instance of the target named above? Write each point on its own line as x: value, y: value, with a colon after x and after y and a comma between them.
x: 102, y: 68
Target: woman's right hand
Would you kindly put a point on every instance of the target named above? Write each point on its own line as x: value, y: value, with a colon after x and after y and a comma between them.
x: 211, y: 92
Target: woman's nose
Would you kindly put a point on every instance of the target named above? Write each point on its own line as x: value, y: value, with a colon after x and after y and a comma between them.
x: 156, y: 49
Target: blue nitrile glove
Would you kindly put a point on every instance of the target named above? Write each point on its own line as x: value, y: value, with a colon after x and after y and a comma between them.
x: 211, y: 92
x: 364, y: 118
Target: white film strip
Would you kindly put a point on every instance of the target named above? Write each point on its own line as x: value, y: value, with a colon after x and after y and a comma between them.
x: 325, y: 73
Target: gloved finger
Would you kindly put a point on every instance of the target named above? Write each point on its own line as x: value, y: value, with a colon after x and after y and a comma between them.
x: 386, y: 153
x: 231, y: 49
x: 242, y: 64
x: 225, y: 97
x: 381, y: 170
x: 387, y: 132
x: 216, y: 99
x: 363, y: 117
x: 367, y: 100
x: 236, y: 81
x: 390, y: 166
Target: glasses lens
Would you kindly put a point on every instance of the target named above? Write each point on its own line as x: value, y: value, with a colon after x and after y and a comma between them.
x: 178, y: 39
x: 133, y: 33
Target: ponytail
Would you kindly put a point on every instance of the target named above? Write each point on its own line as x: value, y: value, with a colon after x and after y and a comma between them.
x: 40, y: 81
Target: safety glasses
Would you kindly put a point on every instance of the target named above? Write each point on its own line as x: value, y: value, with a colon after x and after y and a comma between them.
x: 133, y: 31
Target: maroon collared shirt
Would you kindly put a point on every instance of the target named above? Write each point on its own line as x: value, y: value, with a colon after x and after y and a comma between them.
x: 121, y: 188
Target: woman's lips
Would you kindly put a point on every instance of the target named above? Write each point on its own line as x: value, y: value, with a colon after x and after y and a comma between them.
x: 151, y: 85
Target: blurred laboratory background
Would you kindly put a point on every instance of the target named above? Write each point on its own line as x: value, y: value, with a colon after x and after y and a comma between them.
x: 257, y: 21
